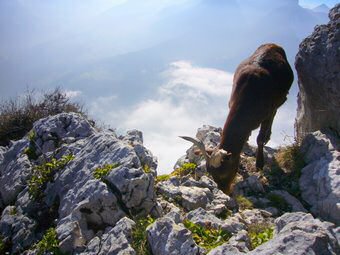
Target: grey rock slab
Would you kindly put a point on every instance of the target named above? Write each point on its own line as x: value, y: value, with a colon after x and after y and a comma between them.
x: 203, y: 218
x: 241, y: 241
x: 15, y: 169
x: 225, y: 249
x: 17, y: 229
x: 317, y: 64
x: 304, y: 236
x: 320, y: 178
x: 168, y: 238
x: 293, y: 202
x: 115, y: 241
x: 194, y: 197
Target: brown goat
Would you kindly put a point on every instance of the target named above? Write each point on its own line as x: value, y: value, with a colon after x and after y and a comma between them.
x: 261, y: 84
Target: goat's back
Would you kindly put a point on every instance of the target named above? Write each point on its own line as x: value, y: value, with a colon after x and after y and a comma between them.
x: 261, y: 84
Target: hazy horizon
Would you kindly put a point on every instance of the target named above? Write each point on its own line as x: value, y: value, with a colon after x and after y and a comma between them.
x: 162, y: 67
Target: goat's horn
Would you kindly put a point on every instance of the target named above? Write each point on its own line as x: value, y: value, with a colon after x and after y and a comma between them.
x: 200, y: 146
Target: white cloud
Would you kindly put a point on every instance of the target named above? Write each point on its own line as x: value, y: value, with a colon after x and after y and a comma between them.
x: 101, y: 108
x: 202, y: 80
x: 72, y: 93
x: 190, y: 97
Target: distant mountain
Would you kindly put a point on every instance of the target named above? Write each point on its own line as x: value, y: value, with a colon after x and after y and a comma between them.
x: 321, y: 8
x: 111, y: 54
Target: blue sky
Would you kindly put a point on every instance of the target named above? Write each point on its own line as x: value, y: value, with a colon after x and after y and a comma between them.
x: 163, y: 67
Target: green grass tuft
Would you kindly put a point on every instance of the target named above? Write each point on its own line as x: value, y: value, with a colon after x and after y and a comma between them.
x: 207, y: 237
x: 48, y: 243
x: 185, y: 169
x: 42, y: 174
x: 139, y: 236
x: 244, y: 203
x: 13, y: 211
x: 286, y: 169
x: 260, y: 233
x: 162, y: 178
x: 147, y: 169
x: 100, y: 172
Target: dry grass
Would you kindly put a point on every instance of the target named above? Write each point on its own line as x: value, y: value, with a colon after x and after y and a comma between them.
x: 17, y: 115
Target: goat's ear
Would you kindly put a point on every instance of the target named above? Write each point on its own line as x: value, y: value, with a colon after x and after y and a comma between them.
x: 210, y: 151
x: 218, y: 157
x: 197, y: 152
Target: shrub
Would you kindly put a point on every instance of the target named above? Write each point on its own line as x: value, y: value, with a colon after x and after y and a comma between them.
x: 244, y: 203
x: 185, y: 169
x: 42, y: 174
x: 48, y: 243
x: 207, y: 237
x: 139, y: 236
x: 286, y: 169
x: 290, y: 159
x: 18, y: 115
x: 260, y: 233
x: 101, y: 172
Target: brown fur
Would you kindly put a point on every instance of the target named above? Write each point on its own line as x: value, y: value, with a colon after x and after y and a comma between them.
x: 260, y: 87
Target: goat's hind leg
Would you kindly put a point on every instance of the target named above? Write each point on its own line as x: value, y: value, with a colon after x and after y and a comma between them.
x: 262, y: 139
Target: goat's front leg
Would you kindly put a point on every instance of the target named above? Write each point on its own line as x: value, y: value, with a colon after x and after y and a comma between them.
x: 262, y: 139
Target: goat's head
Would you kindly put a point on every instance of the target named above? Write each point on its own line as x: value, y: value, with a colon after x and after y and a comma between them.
x: 221, y: 164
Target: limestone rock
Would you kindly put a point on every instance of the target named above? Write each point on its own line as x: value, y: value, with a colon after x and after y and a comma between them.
x: 320, y: 179
x: 2, y: 152
x: 317, y: 64
x: 293, y: 202
x: 15, y: 169
x: 62, y: 128
x: 300, y: 233
x: 17, y: 229
x: 168, y: 238
x: 82, y: 207
x: 115, y: 241
x: 191, y: 194
x: 225, y: 249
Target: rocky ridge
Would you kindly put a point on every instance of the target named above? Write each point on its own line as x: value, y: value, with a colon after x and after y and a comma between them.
x: 96, y: 201
x: 317, y: 64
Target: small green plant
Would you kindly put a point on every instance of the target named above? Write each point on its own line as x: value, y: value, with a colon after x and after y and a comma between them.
x: 260, y: 233
x: 244, y: 203
x: 207, y: 237
x: 185, y: 169
x: 100, y: 172
x: 30, y: 151
x: 13, y: 211
x: 225, y: 214
x: 139, y: 236
x: 279, y: 202
x: 48, y: 243
x: 162, y: 178
x: 42, y: 174
x: 147, y: 169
